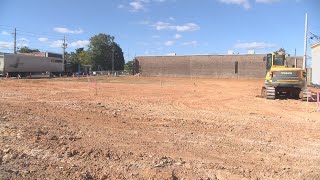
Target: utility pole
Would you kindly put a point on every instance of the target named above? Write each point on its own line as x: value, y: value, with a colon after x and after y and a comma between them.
x: 304, y: 65
x: 133, y: 66
x: 113, y: 49
x: 15, y: 41
x: 136, y: 64
x: 64, y: 47
x: 295, y: 58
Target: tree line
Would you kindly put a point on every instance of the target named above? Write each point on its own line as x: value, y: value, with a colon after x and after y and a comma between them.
x: 98, y: 56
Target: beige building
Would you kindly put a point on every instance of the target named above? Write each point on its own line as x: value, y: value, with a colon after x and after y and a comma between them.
x: 315, y: 53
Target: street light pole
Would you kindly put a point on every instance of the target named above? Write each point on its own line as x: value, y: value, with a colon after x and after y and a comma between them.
x: 304, y: 65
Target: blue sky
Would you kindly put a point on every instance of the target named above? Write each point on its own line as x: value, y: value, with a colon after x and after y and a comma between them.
x: 160, y: 27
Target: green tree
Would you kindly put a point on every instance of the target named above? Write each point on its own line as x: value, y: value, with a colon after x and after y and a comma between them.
x: 26, y: 49
x: 282, y: 49
x: 129, y: 67
x: 79, y: 57
x: 100, y: 53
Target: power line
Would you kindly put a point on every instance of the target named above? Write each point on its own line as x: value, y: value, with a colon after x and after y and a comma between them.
x: 21, y: 29
x: 23, y: 32
x: 1, y: 25
x: 40, y: 34
x: 314, y: 36
x: 54, y: 38
x: 29, y: 33
x: 33, y: 37
x: 7, y: 29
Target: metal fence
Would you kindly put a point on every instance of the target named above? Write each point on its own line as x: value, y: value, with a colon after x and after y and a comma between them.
x: 110, y: 73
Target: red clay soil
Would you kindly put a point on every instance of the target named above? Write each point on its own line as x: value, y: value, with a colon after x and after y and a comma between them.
x: 154, y: 128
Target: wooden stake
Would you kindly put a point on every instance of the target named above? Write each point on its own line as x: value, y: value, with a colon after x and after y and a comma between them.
x: 95, y: 86
x: 318, y: 100
x: 88, y: 84
x: 307, y: 103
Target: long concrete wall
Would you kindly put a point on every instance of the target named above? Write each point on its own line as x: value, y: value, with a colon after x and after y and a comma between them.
x: 218, y: 66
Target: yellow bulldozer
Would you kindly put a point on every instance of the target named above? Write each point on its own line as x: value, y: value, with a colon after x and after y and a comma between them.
x: 282, y: 81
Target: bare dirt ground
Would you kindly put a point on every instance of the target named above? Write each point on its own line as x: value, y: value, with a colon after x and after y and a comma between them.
x: 154, y: 128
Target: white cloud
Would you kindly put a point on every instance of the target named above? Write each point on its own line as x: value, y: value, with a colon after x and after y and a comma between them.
x: 244, y: 3
x: 5, y: 33
x: 67, y: 31
x: 172, y: 18
x: 177, y: 36
x: 267, y: 1
x: 9, y: 45
x: 120, y: 6
x: 254, y: 45
x: 56, y: 44
x: 191, y: 43
x: 137, y: 5
x: 80, y: 43
x: 23, y: 39
x: 169, y: 43
x: 188, y: 27
x: 6, y: 45
x: 180, y: 28
x: 163, y: 26
x: 43, y: 39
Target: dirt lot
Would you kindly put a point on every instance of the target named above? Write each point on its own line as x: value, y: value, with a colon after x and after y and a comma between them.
x: 152, y: 128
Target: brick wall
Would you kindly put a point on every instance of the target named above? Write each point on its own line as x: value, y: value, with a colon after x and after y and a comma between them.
x: 218, y: 66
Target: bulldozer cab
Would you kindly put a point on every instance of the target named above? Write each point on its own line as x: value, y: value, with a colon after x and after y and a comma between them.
x: 275, y: 59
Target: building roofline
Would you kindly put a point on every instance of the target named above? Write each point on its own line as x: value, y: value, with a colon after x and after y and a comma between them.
x: 315, y: 45
x: 209, y: 55
x: 203, y: 55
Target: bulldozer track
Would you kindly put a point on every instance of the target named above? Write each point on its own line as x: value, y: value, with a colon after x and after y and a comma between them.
x: 271, y: 93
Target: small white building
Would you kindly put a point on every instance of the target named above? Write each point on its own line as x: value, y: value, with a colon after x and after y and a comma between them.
x: 315, y: 53
x: 251, y: 52
x: 230, y: 52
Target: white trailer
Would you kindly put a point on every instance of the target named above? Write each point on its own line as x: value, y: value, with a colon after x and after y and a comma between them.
x: 1, y: 65
x: 14, y: 64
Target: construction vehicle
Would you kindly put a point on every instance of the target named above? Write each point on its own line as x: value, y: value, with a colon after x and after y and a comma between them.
x: 282, y: 81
